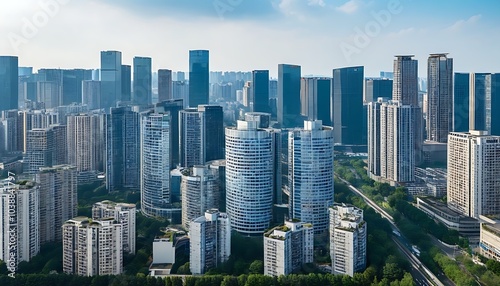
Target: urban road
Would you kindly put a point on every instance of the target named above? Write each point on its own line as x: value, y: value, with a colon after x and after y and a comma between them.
x: 421, y: 274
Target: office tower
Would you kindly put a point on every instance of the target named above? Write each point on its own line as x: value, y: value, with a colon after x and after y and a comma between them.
x: 289, y: 95
x: 310, y: 173
x: 155, y: 163
x: 111, y: 77
x: 10, y: 136
x: 288, y: 247
x: 180, y: 76
x: 91, y: 94
x: 126, y: 76
x: 123, y: 214
x: 122, y: 149
x: 49, y: 93
x: 247, y: 95
x: 347, y: 239
x: 479, y: 83
x: 377, y: 87
x: 86, y: 144
x: 273, y: 88
x: 210, y: 241
x: 200, y: 188
x: 315, y: 94
x: 143, y: 82
x: 9, y: 87
x: 72, y: 85
x: 473, y: 173
x: 92, y: 247
x: 58, y: 200
x: 388, y: 75
x: 493, y: 105
x: 180, y: 90
x: 45, y: 147
x: 440, y: 97
x: 249, y: 176
x: 198, y: 77
x: 164, y: 85
x: 347, y: 95
x: 461, y: 94
x: 173, y: 106
x: 19, y: 222
x: 201, y: 135
x: 405, y: 83
x: 260, y: 91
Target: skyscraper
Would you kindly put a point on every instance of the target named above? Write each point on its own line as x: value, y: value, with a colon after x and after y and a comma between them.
x: 173, y: 106
x: 377, y: 87
x: 9, y: 82
x: 45, y: 147
x: 311, y: 157
x: 155, y: 163
x: 479, y: 85
x: 122, y: 149
x: 249, y: 176
x: 48, y: 92
x: 347, y: 94
x: 439, y: 97
x: 111, y: 77
x: 461, y: 95
x: 143, y: 82
x: 72, y: 85
x: 126, y: 76
x: 347, y: 239
x: 198, y: 77
x: 473, y: 173
x: 405, y: 83
x: 315, y: 96
x: 260, y: 91
x: 210, y: 241
x: 164, y: 85
x: 289, y: 95
x: 374, y: 137
x: 91, y: 94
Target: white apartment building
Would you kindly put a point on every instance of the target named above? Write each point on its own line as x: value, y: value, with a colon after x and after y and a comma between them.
x: 288, y: 247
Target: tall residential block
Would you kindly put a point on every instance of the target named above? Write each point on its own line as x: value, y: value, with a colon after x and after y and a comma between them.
x: 289, y: 95
x: 111, y: 77
x: 173, y: 106
x: 473, y: 173
x: 9, y: 88
x: 310, y: 173
x: 288, y: 247
x: 405, y: 82
x: 45, y: 147
x: 124, y: 214
x: 210, y: 241
x: 439, y: 97
x: 198, y: 77
x: 347, y: 239
x: 143, y: 81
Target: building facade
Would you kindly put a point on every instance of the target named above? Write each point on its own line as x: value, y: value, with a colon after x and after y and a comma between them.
x: 111, y: 77
x: 9, y: 87
x: 289, y: 95
x: 164, y: 85
x: 198, y: 77
x: 143, y: 81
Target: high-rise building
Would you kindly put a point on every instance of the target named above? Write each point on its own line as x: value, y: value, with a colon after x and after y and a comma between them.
x: 493, y: 106
x: 310, y: 173
x: 45, y: 147
x: 122, y: 149
x: 9, y: 87
x: 288, y: 247
x: 180, y: 90
x: 91, y: 94
x: 315, y: 94
x: 124, y: 214
x: 92, y: 247
x: 200, y: 188
x: 347, y: 239
x: 48, y: 92
x: 58, y: 200
x: 439, y: 97
x: 479, y: 85
x: 260, y: 91
x: 126, y: 76
x: 143, y: 82
x: 164, y: 85
x: 377, y: 87
x: 201, y: 135
x: 347, y: 95
x: 210, y: 241
x: 249, y: 176
x: 111, y: 77
x: 155, y: 163
x: 405, y: 83
x: 461, y: 95
x: 374, y: 139
x: 473, y: 173
x: 72, y: 85
x: 173, y: 106
x: 289, y: 95
x: 19, y: 222
x: 198, y: 77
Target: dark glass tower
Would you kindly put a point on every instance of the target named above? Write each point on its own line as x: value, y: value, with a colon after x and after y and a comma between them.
x: 377, y: 87
x: 198, y: 77
x: 259, y: 101
x: 479, y: 85
x: 126, y: 83
x: 492, y: 113
x: 461, y: 94
x: 8, y: 82
x: 143, y: 83
x: 289, y: 96
x: 164, y: 85
x: 111, y: 86
x: 347, y: 93
x: 72, y: 85
x: 214, y: 131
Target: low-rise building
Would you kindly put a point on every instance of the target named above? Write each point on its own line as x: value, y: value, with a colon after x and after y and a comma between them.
x: 489, y: 244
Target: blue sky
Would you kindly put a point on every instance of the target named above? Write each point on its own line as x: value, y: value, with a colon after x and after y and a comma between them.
x: 319, y: 35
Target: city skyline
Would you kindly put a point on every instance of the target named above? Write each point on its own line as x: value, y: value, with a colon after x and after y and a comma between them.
x: 298, y: 31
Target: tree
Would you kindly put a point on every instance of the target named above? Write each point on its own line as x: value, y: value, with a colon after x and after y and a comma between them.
x: 407, y: 280
x: 256, y: 267
x: 184, y: 269
x: 392, y: 272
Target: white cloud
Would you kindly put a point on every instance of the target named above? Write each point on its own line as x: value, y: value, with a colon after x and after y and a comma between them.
x: 349, y: 7
x: 461, y: 23
x: 320, y: 3
x: 401, y: 33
